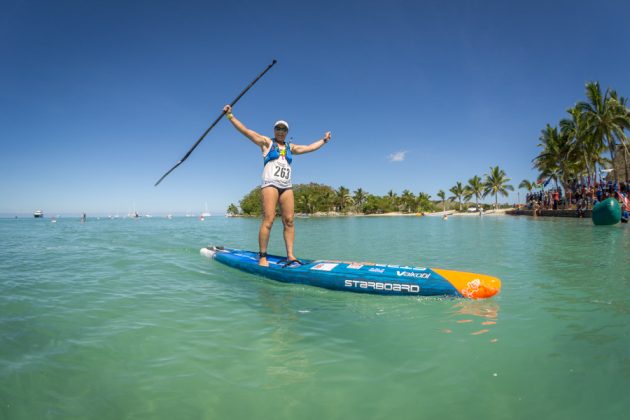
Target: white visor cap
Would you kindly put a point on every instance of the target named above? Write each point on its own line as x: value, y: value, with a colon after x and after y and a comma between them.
x: 281, y: 122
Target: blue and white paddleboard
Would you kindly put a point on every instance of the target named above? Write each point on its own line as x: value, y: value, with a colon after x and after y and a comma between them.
x: 362, y: 277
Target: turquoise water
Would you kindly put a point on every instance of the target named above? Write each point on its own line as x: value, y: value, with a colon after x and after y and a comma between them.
x: 123, y: 319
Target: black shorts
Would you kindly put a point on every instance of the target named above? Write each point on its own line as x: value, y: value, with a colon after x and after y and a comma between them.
x: 280, y: 190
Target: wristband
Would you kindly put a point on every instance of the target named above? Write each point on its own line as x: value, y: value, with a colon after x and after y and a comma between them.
x: 230, y: 116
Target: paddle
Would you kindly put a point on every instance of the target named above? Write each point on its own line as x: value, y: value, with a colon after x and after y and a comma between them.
x: 214, y: 123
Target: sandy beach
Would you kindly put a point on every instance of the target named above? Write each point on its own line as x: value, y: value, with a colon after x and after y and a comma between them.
x: 500, y: 212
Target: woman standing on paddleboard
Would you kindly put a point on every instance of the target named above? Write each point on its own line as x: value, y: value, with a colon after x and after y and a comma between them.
x: 276, y: 180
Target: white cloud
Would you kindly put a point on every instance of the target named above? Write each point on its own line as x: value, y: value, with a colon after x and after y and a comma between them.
x: 397, y: 157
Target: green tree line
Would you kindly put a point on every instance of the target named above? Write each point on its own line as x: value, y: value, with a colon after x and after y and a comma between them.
x: 313, y: 198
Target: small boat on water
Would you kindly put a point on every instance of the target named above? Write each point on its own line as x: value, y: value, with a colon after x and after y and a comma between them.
x: 205, y: 213
x: 38, y: 214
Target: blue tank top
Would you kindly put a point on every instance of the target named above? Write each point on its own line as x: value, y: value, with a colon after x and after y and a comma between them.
x: 274, y: 152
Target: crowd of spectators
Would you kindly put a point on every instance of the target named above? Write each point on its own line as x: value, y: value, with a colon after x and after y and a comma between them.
x: 579, y: 196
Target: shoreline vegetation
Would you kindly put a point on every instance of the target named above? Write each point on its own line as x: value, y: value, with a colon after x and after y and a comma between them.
x: 322, y: 200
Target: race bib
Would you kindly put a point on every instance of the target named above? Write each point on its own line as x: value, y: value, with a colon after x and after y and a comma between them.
x: 277, y: 173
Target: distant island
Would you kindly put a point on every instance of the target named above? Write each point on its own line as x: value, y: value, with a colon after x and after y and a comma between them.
x: 320, y: 199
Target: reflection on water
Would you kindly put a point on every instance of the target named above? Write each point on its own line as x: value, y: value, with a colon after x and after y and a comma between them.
x: 480, y: 308
x: 283, y: 354
x: 478, y: 316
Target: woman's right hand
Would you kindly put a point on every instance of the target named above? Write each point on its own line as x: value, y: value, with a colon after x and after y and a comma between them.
x: 227, y: 109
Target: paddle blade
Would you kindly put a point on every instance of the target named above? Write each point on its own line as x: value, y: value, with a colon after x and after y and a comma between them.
x: 166, y: 174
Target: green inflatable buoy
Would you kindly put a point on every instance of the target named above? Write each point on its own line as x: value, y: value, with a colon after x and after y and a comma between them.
x: 607, y: 212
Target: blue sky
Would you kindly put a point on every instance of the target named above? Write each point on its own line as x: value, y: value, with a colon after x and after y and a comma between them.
x: 99, y: 98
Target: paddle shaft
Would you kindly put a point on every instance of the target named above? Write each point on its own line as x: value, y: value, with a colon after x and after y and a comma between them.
x: 215, y: 123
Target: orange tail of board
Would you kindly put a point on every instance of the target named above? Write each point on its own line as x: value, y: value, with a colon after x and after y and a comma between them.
x: 471, y: 285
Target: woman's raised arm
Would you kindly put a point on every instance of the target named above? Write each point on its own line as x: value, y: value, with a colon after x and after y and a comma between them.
x: 299, y: 149
x: 256, y: 138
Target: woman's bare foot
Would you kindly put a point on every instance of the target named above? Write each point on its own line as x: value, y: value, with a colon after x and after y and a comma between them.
x: 262, y: 259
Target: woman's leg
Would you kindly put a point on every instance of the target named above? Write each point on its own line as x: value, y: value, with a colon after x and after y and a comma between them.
x: 269, y: 202
x: 287, y: 207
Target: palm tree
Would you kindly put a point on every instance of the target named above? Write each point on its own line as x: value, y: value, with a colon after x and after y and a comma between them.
x: 328, y: 200
x: 408, y: 201
x: 586, y: 146
x: 576, y: 133
x: 497, y: 183
x: 474, y: 188
x: 424, y: 202
x: 527, y: 185
x: 558, y: 158
x: 442, y: 196
x: 232, y: 210
x: 458, y: 194
x: 392, y: 197
x: 547, y: 161
x: 306, y: 203
x: 622, y: 120
x: 359, y: 198
x: 343, y: 198
x: 606, y: 117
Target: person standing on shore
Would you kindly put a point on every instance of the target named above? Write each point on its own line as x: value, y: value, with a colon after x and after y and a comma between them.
x: 276, y: 185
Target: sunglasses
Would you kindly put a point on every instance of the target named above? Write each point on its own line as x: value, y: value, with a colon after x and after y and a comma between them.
x: 281, y: 128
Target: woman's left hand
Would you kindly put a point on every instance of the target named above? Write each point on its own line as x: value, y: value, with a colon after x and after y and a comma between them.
x: 327, y: 137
